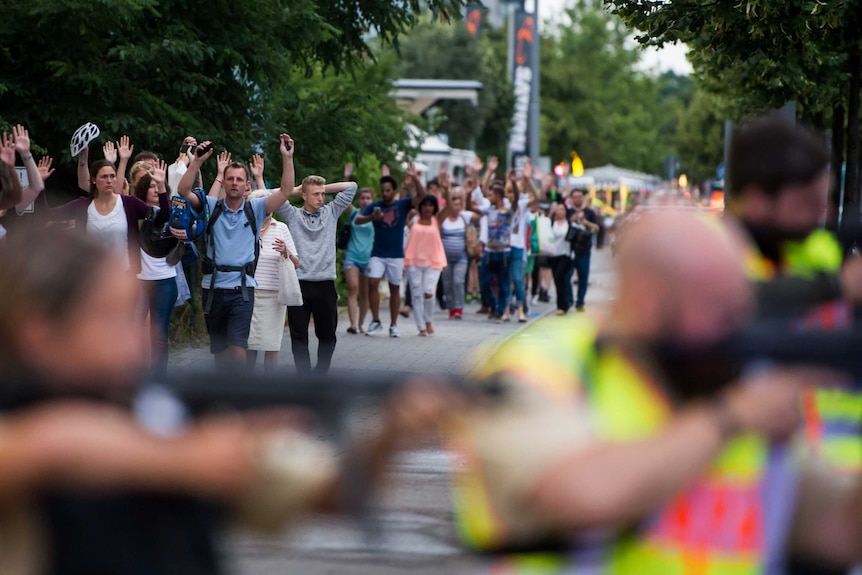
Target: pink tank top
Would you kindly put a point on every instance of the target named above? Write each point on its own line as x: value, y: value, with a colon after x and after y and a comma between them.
x: 424, y: 247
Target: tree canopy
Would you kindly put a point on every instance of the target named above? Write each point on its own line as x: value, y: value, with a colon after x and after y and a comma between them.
x: 441, y: 51
x: 597, y: 102
x: 237, y: 73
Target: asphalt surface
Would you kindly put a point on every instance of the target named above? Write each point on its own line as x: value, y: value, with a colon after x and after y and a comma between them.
x: 413, y: 511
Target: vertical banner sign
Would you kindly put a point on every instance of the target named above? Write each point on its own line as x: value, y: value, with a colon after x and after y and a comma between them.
x: 523, y: 77
x: 474, y: 19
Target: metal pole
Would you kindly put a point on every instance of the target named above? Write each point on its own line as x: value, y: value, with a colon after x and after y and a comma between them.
x: 534, y: 96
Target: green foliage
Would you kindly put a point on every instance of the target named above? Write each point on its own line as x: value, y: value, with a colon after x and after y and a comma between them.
x: 700, y: 136
x: 595, y: 102
x: 758, y: 54
x: 160, y: 70
x: 441, y: 51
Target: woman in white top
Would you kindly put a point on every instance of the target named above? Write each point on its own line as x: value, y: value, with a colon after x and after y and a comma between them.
x: 267, y: 319
x: 561, y: 262
x: 158, y: 277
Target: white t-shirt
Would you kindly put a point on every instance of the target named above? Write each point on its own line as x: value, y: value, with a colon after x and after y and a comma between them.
x: 155, y: 268
x: 111, y: 230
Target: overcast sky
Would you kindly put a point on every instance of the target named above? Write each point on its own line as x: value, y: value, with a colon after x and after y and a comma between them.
x: 671, y: 57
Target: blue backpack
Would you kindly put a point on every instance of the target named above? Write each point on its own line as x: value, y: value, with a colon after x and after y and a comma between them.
x: 185, y: 217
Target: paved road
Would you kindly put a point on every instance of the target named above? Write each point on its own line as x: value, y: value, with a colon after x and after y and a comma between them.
x: 415, y: 508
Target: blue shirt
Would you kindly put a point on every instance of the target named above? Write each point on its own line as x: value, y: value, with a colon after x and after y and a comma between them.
x: 234, y: 241
x: 389, y: 230
x: 361, y: 241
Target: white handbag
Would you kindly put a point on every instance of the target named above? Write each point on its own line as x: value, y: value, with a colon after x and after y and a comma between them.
x: 289, y: 293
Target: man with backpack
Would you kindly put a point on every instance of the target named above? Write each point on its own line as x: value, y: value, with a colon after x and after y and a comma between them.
x: 231, y: 247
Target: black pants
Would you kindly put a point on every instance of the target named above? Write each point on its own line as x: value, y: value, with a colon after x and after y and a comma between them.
x: 319, y: 299
x: 561, y: 266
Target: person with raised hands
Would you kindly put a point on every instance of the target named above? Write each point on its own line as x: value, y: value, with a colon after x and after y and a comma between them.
x: 110, y: 217
x: 387, y: 255
x: 256, y: 165
x: 158, y: 275
x: 454, y: 219
x: 19, y: 143
x: 313, y: 227
x: 222, y: 162
x: 122, y: 150
x: 230, y: 256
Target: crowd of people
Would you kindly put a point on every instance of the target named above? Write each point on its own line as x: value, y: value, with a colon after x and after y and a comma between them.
x: 627, y: 445
x: 260, y: 273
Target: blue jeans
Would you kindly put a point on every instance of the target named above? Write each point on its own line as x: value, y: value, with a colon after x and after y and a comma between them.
x: 582, y: 266
x: 498, y: 266
x: 516, y: 275
x: 161, y: 297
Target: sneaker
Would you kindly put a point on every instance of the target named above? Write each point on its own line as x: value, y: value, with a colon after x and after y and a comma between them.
x: 535, y: 300
x: 374, y: 327
x: 393, y: 331
x: 579, y: 308
x: 459, y: 314
x: 468, y: 297
x: 452, y: 313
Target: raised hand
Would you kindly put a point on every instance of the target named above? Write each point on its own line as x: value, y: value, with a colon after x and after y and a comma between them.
x: 286, y: 145
x: 159, y: 173
x: 348, y: 170
x: 527, y: 170
x: 45, y: 167
x: 384, y: 170
x: 411, y: 171
x: 124, y: 148
x: 7, y: 149
x: 493, y: 164
x: 110, y: 152
x: 204, y: 151
x: 512, y: 175
x: 222, y: 162
x: 478, y: 164
x: 22, y: 140
x: 256, y: 166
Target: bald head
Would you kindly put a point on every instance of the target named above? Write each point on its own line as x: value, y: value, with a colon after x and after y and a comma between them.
x: 680, y: 276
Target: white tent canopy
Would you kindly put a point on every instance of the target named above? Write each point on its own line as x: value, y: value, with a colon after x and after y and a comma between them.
x: 610, y: 177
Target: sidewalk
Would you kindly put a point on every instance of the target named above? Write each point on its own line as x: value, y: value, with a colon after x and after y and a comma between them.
x: 448, y: 351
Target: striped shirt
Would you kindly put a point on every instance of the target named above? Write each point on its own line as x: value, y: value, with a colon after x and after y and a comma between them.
x: 267, y: 273
x: 453, y: 235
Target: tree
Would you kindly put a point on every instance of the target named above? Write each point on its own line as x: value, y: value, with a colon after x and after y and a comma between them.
x: 440, y: 51
x: 595, y: 102
x: 159, y: 70
x: 763, y: 53
x: 700, y: 136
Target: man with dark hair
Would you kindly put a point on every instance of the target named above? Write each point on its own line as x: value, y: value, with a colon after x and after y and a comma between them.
x: 779, y: 180
x: 228, y: 287
x: 587, y: 221
x: 387, y: 256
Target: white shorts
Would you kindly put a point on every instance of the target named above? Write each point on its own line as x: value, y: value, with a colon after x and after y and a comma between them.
x: 267, y: 321
x: 391, y: 268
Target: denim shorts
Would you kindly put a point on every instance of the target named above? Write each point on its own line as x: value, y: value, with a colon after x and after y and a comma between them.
x: 347, y: 264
